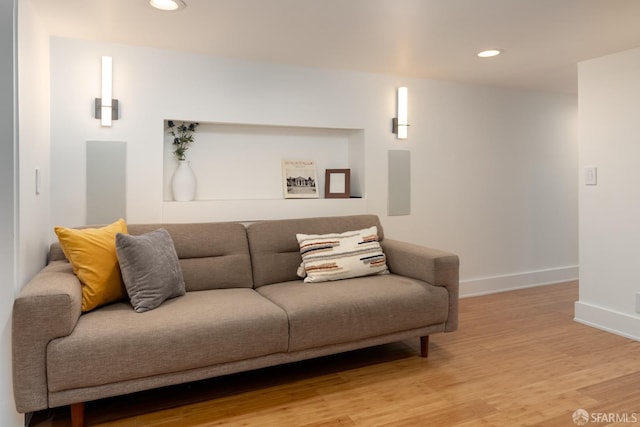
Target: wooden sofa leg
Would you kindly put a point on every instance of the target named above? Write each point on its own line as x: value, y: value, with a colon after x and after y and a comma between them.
x: 77, y: 414
x: 424, y: 346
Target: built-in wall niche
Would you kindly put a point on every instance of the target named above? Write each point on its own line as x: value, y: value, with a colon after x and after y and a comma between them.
x: 239, y: 163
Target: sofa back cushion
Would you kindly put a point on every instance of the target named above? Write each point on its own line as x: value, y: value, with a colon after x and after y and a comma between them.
x: 212, y: 255
x: 275, y: 252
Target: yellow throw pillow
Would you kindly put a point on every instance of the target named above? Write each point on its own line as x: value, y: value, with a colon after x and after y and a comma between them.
x: 92, y: 253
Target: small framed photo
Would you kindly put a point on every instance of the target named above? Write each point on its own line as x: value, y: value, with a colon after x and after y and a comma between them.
x: 299, y: 179
x: 337, y: 184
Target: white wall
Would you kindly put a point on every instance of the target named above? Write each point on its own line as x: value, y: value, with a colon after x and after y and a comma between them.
x: 494, y: 180
x: 34, y: 147
x: 493, y: 170
x: 609, y: 90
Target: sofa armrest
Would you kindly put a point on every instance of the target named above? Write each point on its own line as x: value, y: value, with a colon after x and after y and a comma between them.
x: 433, y: 266
x: 48, y: 307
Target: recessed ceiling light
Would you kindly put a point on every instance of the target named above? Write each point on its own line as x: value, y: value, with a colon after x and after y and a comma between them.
x: 490, y: 53
x: 168, y: 5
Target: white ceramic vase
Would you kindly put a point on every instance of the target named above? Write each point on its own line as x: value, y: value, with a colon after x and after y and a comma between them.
x: 183, y: 182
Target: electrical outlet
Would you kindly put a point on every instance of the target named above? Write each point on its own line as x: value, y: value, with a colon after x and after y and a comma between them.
x: 637, y: 302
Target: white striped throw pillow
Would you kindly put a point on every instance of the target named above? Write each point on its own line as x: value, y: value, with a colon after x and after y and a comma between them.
x: 328, y: 257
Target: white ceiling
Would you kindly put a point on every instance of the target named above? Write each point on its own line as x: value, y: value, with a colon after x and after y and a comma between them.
x: 543, y: 40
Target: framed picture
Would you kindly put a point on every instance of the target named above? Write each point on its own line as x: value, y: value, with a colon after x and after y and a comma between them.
x: 299, y: 179
x: 337, y: 183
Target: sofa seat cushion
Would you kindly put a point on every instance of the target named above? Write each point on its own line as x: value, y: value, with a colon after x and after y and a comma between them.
x: 353, y: 309
x: 203, y: 328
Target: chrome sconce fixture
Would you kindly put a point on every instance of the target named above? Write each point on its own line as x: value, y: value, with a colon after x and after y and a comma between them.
x: 400, y: 124
x: 106, y: 108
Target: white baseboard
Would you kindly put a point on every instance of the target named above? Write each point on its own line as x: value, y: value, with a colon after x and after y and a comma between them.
x: 608, y: 320
x: 510, y: 282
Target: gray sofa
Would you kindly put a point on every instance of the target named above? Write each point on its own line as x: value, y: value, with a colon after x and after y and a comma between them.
x: 244, y: 309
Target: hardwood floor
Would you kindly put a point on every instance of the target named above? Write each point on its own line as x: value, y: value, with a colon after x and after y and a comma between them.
x: 517, y: 359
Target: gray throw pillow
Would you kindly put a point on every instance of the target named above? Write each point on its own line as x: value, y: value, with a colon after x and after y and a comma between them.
x: 150, y: 268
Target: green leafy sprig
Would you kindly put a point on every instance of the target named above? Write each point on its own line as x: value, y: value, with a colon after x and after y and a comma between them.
x: 182, y: 137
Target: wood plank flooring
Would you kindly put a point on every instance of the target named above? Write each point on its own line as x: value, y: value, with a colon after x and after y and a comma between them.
x: 518, y: 359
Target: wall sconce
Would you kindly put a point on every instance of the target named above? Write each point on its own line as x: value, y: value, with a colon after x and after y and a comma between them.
x: 106, y: 108
x: 168, y: 5
x: 400, y: 124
